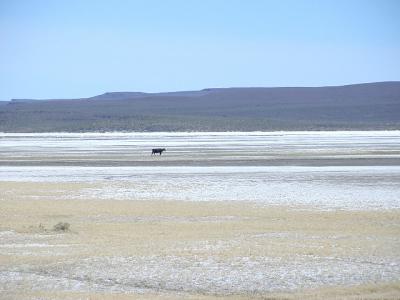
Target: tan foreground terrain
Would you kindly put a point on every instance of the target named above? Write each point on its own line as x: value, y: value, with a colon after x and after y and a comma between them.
x: 190, y: 250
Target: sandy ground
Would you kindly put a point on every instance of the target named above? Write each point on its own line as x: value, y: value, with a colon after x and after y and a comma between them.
x: 199, y: 250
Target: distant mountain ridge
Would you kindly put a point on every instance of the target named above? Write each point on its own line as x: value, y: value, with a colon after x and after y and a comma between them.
x: 358, y: 106
x: 135, y: 95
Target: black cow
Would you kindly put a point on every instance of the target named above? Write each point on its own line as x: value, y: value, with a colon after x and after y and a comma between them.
x: 157, y: 150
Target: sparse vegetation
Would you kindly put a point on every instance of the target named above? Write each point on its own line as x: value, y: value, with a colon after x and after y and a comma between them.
x: 357, y: 107
x: 61, y: 227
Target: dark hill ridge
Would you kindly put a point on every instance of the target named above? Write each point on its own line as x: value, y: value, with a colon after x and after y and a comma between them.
x: 358, y: 107
x: 135, y: 95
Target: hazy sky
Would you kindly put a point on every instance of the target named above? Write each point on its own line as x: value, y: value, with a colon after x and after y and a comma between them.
x: 51, y: 49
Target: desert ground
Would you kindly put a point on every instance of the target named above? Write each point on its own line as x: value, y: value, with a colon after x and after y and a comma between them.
x: 237, y: 216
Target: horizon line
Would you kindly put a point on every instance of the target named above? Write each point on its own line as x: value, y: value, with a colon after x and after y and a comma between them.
x: 200, y: 90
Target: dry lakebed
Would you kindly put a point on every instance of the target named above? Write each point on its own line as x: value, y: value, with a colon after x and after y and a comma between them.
x: 237, y: 215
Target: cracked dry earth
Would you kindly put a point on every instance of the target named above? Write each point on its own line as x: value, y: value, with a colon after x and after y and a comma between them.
x: 182, y: 249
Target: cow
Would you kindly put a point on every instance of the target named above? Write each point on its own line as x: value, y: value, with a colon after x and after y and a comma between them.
x: 157, y: 150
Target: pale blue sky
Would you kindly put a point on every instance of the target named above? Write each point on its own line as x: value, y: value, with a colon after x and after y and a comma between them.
x: 67, y: 49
